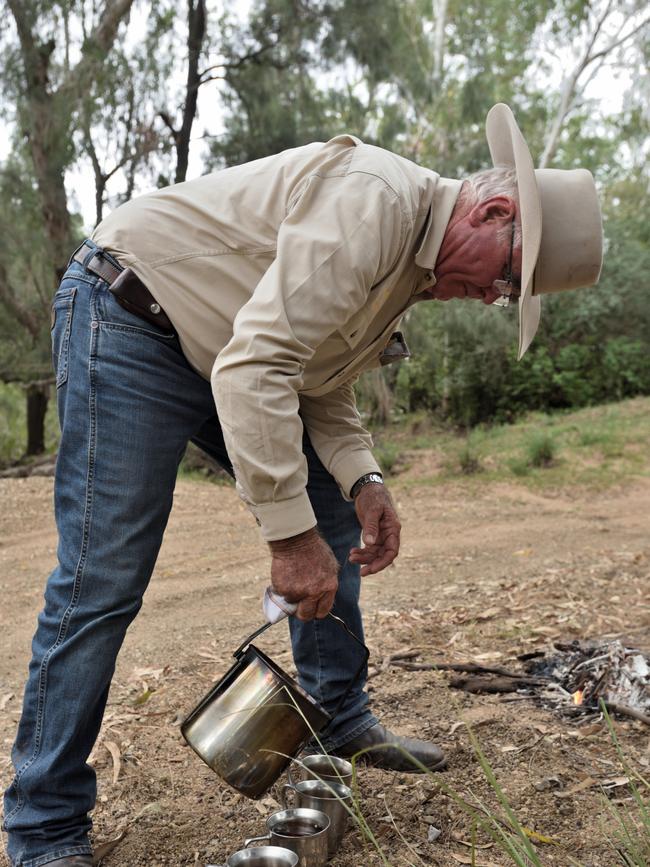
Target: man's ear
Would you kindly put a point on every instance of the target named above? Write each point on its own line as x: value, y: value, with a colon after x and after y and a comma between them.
x: 500, y: 209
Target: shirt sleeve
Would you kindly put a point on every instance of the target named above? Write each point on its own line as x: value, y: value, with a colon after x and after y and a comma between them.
x: 336, y: 433
x: 336, y: 242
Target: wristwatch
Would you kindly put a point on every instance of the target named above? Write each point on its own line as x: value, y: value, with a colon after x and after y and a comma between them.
x: 377, y: 478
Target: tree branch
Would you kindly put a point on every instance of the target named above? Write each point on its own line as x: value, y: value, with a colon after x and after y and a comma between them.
x: 609, y: 48
x: 10, y: 301
x: 570, y: 83
x: 245, y: 58
x: 99, y: 43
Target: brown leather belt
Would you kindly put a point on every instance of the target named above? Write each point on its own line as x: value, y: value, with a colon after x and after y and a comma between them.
x: 128, y: 289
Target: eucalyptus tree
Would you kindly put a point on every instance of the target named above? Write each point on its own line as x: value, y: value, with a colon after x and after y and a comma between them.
x: 64, y: 75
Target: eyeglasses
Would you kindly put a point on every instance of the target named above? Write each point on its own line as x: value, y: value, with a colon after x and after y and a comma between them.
x: 507, y: 284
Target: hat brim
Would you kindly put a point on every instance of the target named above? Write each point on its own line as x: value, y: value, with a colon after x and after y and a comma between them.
x: 508, y: 148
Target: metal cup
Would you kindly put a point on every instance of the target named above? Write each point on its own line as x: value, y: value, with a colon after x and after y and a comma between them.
x: 321, y: 766
x: 263, y: 856
x: 302, y: 831
x: 333, y: 799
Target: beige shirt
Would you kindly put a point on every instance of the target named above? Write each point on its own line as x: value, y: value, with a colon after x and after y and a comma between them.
x: 285, y: 278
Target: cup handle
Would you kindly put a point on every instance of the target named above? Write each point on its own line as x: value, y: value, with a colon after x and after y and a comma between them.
x: 284, y: 794
x: 251, y: 840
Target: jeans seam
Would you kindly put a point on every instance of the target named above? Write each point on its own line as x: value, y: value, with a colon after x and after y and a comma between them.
x: 76, y: 588
x: 129, y: 329
x: 359, y: 730
x: 43, y: 860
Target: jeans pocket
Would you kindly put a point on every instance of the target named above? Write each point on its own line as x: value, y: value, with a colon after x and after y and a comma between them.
x: 62, y: 308
x: 113, y: 316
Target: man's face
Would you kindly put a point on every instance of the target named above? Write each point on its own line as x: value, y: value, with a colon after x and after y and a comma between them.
x: 476, y: 251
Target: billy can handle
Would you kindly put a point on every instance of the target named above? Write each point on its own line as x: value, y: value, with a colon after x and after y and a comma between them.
x: 285, y: 608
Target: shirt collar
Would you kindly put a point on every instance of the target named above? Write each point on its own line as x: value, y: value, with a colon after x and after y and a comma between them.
x: 442, y: 204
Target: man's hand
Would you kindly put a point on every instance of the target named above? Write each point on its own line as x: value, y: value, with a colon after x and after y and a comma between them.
x: 380, y: 529
x: 305, y: 570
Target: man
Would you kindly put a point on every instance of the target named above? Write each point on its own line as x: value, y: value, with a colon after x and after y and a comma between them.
x: 236, y: 310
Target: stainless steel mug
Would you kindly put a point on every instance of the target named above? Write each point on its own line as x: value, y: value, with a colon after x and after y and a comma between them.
x: 302, y: 831
x: 320, y: 766
x: 263, y: 856
x: 333, y: 799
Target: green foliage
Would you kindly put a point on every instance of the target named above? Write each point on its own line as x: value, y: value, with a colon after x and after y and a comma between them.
x: 631, y: 828
x: 387, y: 455
x: 384, y: 69
x: 12, y: 424
x: 541, y: 450
x: 468, y: 460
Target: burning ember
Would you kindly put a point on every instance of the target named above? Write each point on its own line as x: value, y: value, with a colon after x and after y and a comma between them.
x: 585, y: 672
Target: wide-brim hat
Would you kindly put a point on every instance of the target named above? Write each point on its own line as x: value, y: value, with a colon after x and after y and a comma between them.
x: 561, y: 225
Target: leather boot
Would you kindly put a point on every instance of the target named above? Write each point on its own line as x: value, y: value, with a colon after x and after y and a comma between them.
x: 387, y: 751
x: 71, y: 861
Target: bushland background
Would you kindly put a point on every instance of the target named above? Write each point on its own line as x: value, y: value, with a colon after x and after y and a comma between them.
x: 103, y: 100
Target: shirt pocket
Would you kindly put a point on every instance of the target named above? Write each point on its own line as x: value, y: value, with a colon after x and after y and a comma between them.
x: 61, y: 325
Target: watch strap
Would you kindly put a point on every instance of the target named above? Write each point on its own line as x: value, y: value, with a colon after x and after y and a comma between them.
x: 369, y: 478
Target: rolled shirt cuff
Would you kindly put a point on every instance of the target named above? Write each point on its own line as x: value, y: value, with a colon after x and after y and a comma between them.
x: 351, y: 466
x: 285, y: 518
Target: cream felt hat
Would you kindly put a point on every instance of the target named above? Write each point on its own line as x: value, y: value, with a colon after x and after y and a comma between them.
x: 561, y: 227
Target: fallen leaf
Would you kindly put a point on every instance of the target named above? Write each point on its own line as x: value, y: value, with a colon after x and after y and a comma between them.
x: 105, y: 849
x: 587, y: 783
x: 593, y: 729
x: 469, y: 859
x: 469, y: 844
x: 538, y: 838
x: 152, y: 807
x: 488, y: 613
x: 615, y: 782
x: 144, y: 697
x: 114, y: 750
x: 455, y: 727
x: 545, y: 630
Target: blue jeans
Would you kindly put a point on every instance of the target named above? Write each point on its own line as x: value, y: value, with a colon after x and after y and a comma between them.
x: 128, y: 404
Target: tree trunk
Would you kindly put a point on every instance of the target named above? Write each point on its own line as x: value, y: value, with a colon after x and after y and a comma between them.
x: 196, y: 18
x: 38, y: 396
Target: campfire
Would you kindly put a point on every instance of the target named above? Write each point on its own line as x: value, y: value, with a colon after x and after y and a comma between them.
x: 572, y: 680
x: 581, y: 674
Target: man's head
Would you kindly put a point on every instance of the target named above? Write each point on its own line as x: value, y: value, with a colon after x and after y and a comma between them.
x: 482, y: 243
x: 557, y: 241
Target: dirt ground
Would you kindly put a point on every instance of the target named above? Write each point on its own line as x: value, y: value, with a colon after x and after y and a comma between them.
x: 486, y: 573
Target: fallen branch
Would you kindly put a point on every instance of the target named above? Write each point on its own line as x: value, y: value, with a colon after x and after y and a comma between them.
x: 511, y: 683
x: 625, y: 710
x: 464, y: 667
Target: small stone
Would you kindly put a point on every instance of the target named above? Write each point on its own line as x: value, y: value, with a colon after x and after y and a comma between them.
x: 433, y: 833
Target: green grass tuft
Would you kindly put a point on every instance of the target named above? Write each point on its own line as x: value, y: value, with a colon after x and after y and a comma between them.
x: 541, y: 450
